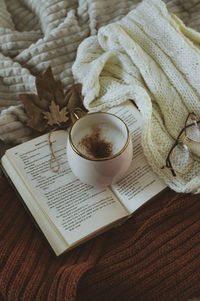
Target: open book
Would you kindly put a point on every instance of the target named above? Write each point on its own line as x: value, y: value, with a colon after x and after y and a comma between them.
x: 67, y: 211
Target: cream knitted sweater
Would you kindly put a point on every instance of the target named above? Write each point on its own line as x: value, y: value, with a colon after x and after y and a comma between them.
x: 152, y: 57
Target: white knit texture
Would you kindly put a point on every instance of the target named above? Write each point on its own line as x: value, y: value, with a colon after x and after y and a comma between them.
x: 149, y: 56
x: 36, y: 34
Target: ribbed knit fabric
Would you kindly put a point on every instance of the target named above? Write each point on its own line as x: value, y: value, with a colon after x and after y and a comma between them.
x: 155, y: 255
x: 36, y: 34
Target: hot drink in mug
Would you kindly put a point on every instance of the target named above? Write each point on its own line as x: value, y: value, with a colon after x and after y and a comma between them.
x: 99, y: 148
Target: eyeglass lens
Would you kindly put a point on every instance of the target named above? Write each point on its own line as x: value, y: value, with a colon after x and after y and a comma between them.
x: 193, y: 131
x: 181, y: 159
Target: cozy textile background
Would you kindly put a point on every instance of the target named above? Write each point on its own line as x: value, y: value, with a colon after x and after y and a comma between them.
x: 153, y: 256
x: 36, y: 34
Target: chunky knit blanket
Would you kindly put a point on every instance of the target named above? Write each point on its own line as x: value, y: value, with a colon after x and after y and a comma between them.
x: 36, y: 34
x: 149, y: 56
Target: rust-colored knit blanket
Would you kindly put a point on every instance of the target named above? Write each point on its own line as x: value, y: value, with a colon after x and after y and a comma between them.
x: 153, y: 256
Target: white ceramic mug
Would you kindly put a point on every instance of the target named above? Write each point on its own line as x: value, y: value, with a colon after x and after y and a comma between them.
x: 99, y: 148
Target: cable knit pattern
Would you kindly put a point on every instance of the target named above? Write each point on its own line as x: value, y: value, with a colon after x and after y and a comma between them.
x: 152, y: 57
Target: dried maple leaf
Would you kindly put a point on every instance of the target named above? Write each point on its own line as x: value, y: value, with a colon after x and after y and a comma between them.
x: 49, y: 89
x: 56, y: 116
x: 44, y: 114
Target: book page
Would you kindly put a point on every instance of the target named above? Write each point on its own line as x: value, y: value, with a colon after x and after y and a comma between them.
x: 76, y: 209
x: 140, y: 183
x: 58, y: 244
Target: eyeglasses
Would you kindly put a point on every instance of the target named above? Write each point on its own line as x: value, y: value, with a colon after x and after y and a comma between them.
x: 180, y: 159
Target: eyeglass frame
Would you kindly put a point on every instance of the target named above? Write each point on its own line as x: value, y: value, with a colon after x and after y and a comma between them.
x: 168, y: 161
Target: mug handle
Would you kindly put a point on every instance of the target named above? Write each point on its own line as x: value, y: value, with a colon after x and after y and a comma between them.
x: 76, y: 114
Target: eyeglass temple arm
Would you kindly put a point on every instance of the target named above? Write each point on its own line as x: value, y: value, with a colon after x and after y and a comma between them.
x: 168, y: 162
